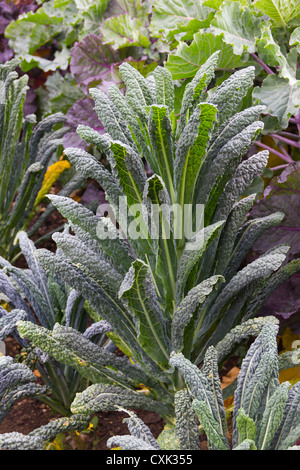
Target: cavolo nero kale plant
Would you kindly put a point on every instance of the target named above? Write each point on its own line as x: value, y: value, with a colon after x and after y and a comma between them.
x: 161, y: 289
x: 45, y: 300
x: 265, y: 414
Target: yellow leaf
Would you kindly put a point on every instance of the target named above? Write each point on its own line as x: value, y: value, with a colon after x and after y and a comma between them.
x: 5, y: 305
x: 51, y: 175
x: 144, y: 389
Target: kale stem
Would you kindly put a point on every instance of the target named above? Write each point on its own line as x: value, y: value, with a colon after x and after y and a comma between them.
x: 285, y: 140
x: 261, y: 63
x: 298, y: 121
x: 289, y: 134
x: 275, y: 152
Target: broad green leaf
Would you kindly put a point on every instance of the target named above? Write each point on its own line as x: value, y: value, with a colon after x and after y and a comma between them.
x: 185, y: 31
x: 295, y: 38
x: 287, y: 101
x: 287, y: 63
x: 90, y: 59
x: 280, y: 11
x: 60, y: 93
x: 92, y: 13
x: 167, y: 14
x: 32, y: 30
x: 185, y: 60
x: 123, y: 31
x: 60, y: 61
x: 217, y: 3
